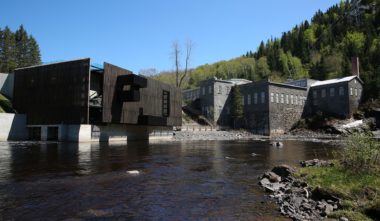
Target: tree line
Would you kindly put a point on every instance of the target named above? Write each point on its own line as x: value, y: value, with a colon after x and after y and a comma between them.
x: 17, y: 49
x: 320, y: 49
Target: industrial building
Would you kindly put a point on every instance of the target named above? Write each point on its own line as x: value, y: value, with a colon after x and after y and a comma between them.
x: 78, y: 101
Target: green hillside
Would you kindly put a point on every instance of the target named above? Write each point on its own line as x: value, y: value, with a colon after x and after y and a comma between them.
x: 320, y: 48
x: 5, y: 105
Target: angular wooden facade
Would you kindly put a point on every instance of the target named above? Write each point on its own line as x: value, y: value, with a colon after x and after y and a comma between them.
x: 59, y: 93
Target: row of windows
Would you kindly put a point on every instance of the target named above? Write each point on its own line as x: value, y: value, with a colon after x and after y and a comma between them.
x: 332, y: 92
x: 255, y: 98
x: 227, y: 89
x: 287, y: 98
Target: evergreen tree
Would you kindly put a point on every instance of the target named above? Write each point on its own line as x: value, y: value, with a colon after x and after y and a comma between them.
x: 236, y: 105
x: 17, y: 50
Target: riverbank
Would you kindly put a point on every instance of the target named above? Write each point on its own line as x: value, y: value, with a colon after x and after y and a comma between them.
x: 322, y: 189
x: 244, y: 135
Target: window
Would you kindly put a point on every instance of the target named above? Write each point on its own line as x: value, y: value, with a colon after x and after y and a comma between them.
x: 203, y: 91
x: 271, y: 97
x: 243, y: 98
x: 248, y: 99
x: 323, y: 93
x: 255, y: 98
x: 296, y: 100
x: 287, y: 99
x: 351, y: 91
x: 315, y: 95
x: 165, y: 103
x: 355, y: 81
x: 282, y: 98
x: 341, y: 91
x: 220, y: 89
x: 356, y: 92
x: 332, y: 92
x: 276, y: 98
x: 263, y: 97
x: 209, y: 90
x: 291, y: 99
x: 360, y: 92
x: 227, y: 90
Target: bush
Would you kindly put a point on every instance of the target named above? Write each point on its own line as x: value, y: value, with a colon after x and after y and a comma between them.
x: 361, y: 154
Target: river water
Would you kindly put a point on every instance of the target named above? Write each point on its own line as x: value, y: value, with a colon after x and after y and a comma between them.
x: 197, y: 180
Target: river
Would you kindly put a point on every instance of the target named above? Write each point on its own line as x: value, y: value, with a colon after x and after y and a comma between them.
x: 197, y: 180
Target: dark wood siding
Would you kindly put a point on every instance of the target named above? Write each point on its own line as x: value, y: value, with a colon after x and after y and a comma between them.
x: 53, y: 94
x: 149, y: 104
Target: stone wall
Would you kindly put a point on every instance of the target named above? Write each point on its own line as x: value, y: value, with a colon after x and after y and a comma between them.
x: 286, y: 105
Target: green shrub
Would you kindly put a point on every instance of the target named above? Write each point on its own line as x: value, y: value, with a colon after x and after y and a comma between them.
x: 362, y: 153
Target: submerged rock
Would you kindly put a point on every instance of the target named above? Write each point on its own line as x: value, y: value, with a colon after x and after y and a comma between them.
x: 283, y: 170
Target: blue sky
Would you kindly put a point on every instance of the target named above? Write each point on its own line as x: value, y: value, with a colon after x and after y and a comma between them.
x: 138, y: 34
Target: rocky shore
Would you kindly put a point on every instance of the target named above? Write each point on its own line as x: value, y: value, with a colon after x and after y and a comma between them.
x: 295, y: 197
x: 215, y: 135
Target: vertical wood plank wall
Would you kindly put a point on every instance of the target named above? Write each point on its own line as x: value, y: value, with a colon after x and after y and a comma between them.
x: 55, y: 93
x: 115, y: 111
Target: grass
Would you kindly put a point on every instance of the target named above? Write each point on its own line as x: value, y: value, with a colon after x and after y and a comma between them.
x: 5, y: 105
x: 360, y: 192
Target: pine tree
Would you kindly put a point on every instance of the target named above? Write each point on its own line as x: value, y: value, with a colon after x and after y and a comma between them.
x: 8, y: 51
x: 21, y: 38
x: 33, y: 55
x: 236, y: 105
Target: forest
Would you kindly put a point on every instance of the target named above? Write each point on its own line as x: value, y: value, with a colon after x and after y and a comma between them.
x: 17, y: 49
x: 320, y: 49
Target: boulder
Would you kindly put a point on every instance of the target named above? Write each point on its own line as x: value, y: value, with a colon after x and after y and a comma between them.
x: 272, y: 177
x: 316, y: 163
x: 283, y: 170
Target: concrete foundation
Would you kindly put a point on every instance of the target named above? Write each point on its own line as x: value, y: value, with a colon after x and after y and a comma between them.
x: 13, y: 127
x: 102, y: 133
x: 6, y: 84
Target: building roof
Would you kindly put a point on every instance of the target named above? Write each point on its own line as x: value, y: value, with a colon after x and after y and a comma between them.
x: 238, y: 81
x: 334, y: 81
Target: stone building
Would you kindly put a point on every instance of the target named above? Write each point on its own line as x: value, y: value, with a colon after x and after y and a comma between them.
x: 215, y: 99
x: 336, y: 97
x: 272, y: 108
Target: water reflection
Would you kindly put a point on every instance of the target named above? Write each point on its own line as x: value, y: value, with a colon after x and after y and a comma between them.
x: 178, y: 180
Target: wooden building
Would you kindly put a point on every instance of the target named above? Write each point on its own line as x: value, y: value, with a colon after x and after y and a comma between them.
x: 69, y: 93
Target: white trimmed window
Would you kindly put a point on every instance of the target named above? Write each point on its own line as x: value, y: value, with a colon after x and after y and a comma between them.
x: 203, y: 91
x: 351, y: 93
x: 356, y: 92
x: 291, y: 99
x: 282, y: 98
x: 287, y: 99
x: 243, y: 100
x: 209, y: 90
x: 296, y: 100
x: 255, y: 98
x: 248, y: 99
x: 276, y: 98
x: 271, y: 97
x: 315, y: 94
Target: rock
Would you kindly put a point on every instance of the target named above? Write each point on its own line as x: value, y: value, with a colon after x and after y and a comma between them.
x: 272, y: 177
x: 276, y: 144
x: 264, y: 182
x: 316, y: 163
x: 328, y: 209
x: 323, y: 194
x: 343, y: 218
x: 283, y: 170
x: 273, y: 187
x: 134, y: 172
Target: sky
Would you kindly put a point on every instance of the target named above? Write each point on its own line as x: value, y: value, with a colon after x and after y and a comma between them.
x: 139, y: 34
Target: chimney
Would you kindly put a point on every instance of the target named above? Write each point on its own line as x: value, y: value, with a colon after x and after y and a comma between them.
x: 355, y: 66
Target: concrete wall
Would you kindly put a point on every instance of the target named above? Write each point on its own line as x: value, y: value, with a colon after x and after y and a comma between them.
x: 6, y: 84
x: 13, y: 127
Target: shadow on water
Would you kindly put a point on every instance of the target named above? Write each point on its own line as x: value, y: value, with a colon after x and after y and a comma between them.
x: 175, y: 180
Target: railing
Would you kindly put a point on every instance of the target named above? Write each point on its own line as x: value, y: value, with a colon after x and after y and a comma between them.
x: 198, y: 128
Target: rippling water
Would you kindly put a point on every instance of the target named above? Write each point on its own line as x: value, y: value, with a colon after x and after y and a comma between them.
x: 197, y: 180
